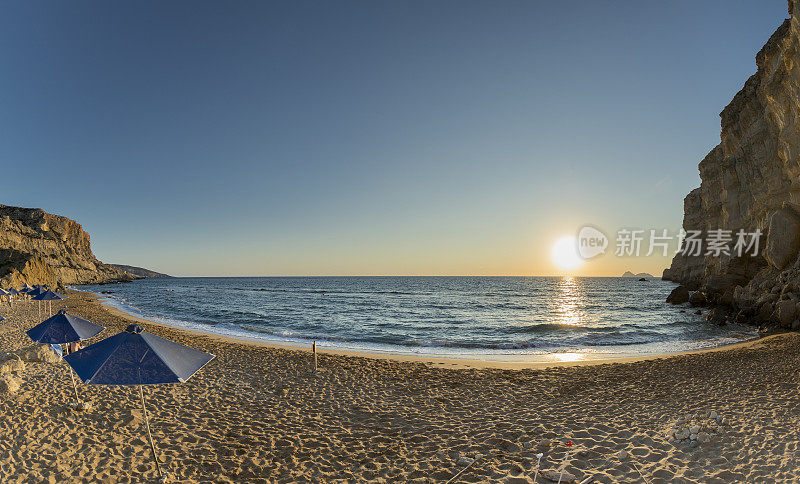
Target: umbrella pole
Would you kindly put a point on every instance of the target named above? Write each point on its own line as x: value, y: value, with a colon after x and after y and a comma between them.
x: 149, y: 435
x: 74, y: 387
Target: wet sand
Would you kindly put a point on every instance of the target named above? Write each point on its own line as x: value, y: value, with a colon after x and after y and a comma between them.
x: 258, y: 413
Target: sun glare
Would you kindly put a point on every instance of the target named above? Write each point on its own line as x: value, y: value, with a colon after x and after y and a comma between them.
x: 565, y: 254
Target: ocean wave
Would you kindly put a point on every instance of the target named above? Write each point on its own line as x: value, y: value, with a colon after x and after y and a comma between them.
x: 425, y: 314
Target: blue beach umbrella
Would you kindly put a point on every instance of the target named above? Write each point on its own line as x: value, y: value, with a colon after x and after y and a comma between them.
x: 33, y: 293
x: 64, y: 328
x: 11, y: 292
x: 49, y: 296
x: 136, y: 357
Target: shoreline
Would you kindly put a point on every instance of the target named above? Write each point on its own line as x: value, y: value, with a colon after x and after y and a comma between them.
x: 262, y: 414
x: 442, y: 361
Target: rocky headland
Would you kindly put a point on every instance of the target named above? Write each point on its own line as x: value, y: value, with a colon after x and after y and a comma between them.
x: 139, y: 271
x: 37, y: 247
x: 751, y: 182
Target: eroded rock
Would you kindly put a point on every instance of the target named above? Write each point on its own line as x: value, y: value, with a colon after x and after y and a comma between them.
x: 697, y: 298
x: 679, y: 295
x: 783, y: 240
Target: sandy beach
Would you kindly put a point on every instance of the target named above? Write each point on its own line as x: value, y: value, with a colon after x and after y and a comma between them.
x: 259, y: 414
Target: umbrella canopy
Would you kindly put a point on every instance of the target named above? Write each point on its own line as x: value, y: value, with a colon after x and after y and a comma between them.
x: 49, y: 296
x: 4, y: 293
x: 136, y: 357
x: 12, y: 292
x: 63, y: 328
x: 37, y: 291
x: 25, y: 288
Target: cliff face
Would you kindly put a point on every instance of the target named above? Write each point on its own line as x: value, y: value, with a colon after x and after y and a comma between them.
x: 751, y: 180
x: 40, y: 248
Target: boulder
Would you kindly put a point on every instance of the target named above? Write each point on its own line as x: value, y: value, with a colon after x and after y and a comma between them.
x: 9, y: 384
x: 718, y: 316
x: 12, y: 365
x: 697, y: 298
x: 786, y: 311
x: 39, y: 353
x: 679, y: 295
x: 765, y: 312
x: 783, y: 239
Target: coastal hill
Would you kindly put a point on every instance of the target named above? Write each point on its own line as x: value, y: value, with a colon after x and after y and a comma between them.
x: 41, y: 248
x: 641, y: 274
x: 750, y: 182
x: 139, y: 271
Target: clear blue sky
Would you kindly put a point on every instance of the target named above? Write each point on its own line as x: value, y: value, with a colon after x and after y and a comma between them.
x: 390, y: 137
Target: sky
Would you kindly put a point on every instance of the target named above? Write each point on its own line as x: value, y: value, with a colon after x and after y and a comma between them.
x: 366, y: 138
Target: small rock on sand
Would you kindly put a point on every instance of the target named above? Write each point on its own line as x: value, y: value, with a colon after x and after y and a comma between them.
x: 465, y: 461
x: 84, y: 406
x: 544, y: 443
x: 623, y: 454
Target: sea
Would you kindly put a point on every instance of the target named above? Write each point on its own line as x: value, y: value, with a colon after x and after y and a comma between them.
x: 519, y: 319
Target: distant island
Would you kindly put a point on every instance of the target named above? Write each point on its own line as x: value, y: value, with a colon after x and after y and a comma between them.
x: 641, y: 274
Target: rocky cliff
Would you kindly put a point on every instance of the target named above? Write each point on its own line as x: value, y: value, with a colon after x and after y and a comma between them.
x: 40, y: 248
x: 750, y: 181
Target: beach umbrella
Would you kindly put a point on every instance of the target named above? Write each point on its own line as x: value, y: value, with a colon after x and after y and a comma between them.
x: 25, y: 289
x: 37, y: 291
x: 11, y: 292
x: 64, y: 328
x: 136, y: 357
x: 49, y: 296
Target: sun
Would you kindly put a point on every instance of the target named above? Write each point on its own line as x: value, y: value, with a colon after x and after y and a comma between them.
x: 565, y: 253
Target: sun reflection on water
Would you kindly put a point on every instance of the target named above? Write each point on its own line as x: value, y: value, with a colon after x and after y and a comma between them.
x: 569, y: 302
x: 567, y: 357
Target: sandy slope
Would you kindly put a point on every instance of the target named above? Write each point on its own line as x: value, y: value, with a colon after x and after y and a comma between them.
x: 258, y: 414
